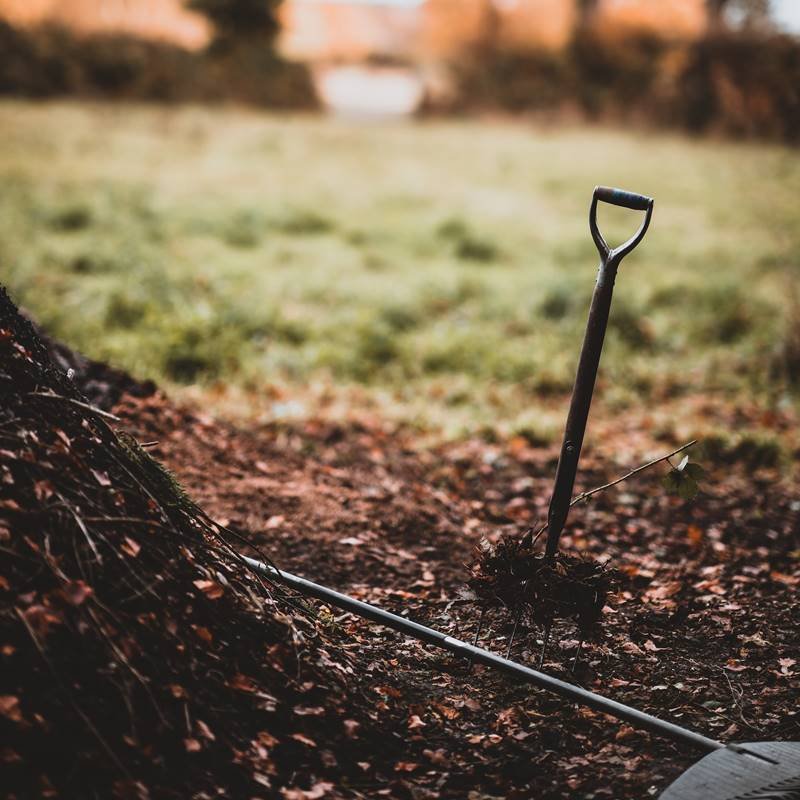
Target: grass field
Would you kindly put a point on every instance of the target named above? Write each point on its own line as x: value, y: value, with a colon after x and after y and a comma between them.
x: 440, y: 269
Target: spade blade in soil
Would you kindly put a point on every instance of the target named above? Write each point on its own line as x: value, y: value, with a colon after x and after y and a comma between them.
x: 752, y: 771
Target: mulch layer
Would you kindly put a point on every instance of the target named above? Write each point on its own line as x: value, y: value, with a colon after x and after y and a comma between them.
x: 703, y: 629
x: 139, y: 659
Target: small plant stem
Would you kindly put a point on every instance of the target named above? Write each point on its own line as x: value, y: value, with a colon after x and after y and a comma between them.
x: 544, y: 644
x: 70, y: 698
x: 577, y: 653
x: 479, y: 628
x: 477, y: 635
x: 78, y: 403
x: 513, y: 633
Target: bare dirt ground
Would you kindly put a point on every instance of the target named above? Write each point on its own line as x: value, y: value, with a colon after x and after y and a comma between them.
x: 703, y: 630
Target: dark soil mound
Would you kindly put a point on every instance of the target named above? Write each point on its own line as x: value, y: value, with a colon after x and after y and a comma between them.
x: 139, y: 658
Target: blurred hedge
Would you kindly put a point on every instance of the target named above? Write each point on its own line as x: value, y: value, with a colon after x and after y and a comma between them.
x: 51, y: 61
x: 740, y: 84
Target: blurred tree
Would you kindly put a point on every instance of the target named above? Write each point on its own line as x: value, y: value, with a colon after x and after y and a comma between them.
x: 243, y: 57
x: 240, y: 21
x: 586, y: 8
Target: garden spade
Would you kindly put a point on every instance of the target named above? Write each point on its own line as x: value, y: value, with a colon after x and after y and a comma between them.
x: 590, y: 353
x: 752, y: 771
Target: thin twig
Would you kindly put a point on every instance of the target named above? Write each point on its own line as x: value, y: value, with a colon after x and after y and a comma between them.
x: 630, y: 474
x: 577, y: 654
x: 124, y: 659
x: 84, y: 406
x: 544, y: 643
x: 79, y: 522
x: 737, y: 699
x: 590, y: 492
x: 479, y: 628
x: 126, y: 520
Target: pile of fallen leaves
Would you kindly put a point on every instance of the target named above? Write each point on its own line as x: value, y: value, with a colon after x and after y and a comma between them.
x: 139, y: 657
x: 511, y: 574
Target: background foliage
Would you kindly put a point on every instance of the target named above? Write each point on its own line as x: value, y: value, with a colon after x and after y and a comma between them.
x: 53, y: 62
x: 740, y: 83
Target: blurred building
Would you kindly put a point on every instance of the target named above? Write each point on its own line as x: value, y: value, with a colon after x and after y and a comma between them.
x: 379, y: 55
x: 336, y: 30
x: 338, y: 37
x: 353, y: 29
x: 419, y: 29
x: 674, y: 19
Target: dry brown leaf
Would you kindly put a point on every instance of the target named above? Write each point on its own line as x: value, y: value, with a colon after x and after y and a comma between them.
x: 130, y: 547
x: 317, y: 791
x: 211, y: 589
x: 76, y: 592
x: 9, y: 707
x: 243, y: 683
x: 203, y: 633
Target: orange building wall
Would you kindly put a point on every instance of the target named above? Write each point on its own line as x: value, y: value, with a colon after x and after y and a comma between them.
x: 319, y: 30
x: 450, y: 26
x: 331, y: 29
x: 674, y: 19
x: 547, y: 23
x: 334, y: 30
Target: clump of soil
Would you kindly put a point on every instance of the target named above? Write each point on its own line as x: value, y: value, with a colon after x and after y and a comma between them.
x: 513, y: 575
x: 138, y: 656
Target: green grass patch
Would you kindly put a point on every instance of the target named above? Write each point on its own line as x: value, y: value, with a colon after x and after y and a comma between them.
x: 449, y: 261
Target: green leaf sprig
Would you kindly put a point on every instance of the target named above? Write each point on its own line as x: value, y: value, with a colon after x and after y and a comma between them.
x: 684, y: 479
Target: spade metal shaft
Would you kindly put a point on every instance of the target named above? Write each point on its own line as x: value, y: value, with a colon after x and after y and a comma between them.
x: 590, y: 353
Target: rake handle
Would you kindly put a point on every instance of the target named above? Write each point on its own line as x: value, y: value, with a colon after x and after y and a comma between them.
x: 638, y: 719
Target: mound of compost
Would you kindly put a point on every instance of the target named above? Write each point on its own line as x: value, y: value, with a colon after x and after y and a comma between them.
x: 139, y: 657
